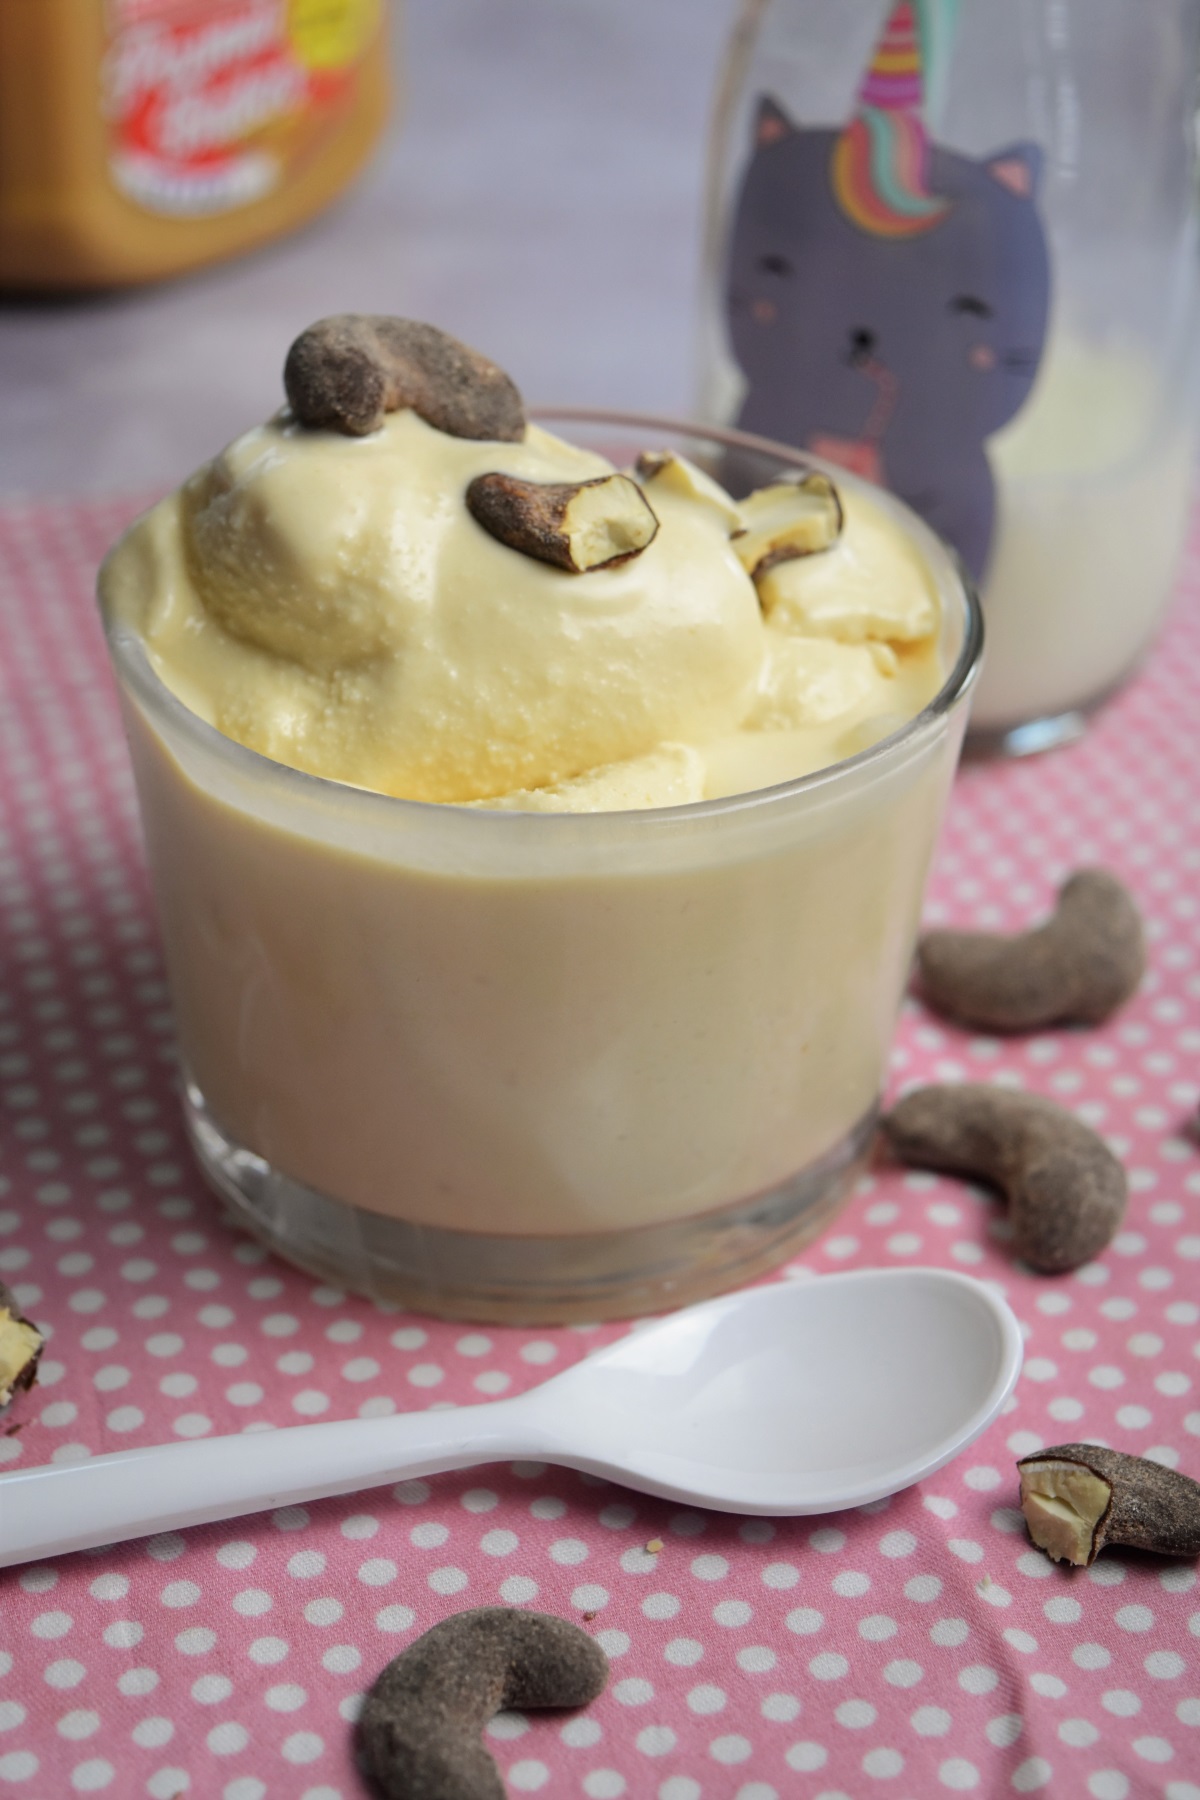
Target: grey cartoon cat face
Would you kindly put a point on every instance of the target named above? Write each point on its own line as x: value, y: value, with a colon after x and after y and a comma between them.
x: 898, y: 356
x: 823, y: 306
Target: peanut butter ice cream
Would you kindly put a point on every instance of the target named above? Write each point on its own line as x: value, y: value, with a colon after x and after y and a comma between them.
x: 464, y: 1055
x: 357, y: 607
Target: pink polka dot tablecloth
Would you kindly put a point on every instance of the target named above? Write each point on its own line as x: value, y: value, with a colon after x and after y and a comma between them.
x: 916, y: 1647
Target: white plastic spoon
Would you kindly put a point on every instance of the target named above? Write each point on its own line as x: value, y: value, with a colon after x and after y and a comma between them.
x: 804, y: 1397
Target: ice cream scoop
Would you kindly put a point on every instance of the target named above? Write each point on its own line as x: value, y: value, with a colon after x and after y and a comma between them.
x: 399, y: 583
x: 805, y: 1397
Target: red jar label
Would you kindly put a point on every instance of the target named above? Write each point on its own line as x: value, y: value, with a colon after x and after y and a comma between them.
x: 211, y: 102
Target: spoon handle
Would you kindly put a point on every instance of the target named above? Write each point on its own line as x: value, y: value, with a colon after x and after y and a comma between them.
x: 52, y: 1510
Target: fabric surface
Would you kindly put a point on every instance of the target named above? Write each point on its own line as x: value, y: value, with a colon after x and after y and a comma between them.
x: 915, y: 1647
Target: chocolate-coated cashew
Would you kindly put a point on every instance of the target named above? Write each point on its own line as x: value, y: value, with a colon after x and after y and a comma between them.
x: 421, y: 1722
x: 1065, y: 1189
x: 1075, y: 969
x: 344, y: 373
x: 1078, y: 1497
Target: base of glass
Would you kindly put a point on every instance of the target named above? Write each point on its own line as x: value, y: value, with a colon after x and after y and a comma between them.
x: 1032, y: 736
x: 584, y: 1277
x: 1029, y: 739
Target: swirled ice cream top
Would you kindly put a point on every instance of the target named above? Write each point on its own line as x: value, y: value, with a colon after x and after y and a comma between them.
x: 503, y: 620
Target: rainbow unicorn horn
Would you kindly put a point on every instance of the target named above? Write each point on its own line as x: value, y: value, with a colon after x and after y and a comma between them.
x: 881, y: 160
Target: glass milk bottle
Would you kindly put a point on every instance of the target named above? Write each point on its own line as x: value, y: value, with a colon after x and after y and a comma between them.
x: 951, y: 245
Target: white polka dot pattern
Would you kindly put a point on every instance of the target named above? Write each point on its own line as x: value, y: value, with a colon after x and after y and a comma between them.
x: 919, y: 1642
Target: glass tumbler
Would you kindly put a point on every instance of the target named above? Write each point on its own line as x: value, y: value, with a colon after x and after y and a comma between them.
x: 540, y: 1067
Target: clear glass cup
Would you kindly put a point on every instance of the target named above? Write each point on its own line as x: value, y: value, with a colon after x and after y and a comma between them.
x: 541, y: 1067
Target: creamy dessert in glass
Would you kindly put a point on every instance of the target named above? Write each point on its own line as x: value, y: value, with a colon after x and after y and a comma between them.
x: 538, y: 835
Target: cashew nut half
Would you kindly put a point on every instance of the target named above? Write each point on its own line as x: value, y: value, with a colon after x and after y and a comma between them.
x: 21, y: 1345
x: 1078, y: 1497
x: 575, y: 525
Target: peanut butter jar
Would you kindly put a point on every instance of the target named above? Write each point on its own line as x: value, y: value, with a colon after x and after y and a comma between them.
x: 143, y: 138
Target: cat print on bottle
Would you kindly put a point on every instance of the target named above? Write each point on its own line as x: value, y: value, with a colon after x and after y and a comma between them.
x: 887, y: 297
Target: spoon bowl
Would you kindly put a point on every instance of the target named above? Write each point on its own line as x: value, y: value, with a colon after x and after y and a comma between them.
x: 807, y: 1396
x: 804, y: 1397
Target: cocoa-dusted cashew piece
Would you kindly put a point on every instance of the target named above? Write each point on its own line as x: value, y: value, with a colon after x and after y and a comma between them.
x: 1065, y: 1188
x: 21, y: 1344
x: 344, y: 373
x: 576, y: 525
x: 1076, y: 969
x: 421, y: 1722
x: 1079, y: 1497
